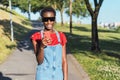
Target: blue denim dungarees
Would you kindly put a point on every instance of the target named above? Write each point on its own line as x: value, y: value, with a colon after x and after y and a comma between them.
x: 51, y: 68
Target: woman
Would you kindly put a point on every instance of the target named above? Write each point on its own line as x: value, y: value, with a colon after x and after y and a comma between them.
x: 50, y: 49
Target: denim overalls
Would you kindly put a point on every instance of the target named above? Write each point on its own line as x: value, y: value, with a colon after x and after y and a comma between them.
x: 51, y: 68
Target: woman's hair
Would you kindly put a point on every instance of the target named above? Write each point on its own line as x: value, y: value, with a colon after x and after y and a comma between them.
x: 47, y: 9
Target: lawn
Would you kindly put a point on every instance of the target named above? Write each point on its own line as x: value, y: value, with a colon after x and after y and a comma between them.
x: 99, y: 66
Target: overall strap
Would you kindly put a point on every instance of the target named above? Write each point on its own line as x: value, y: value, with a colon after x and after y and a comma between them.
x: 58, y: 35
x: 42, y: 33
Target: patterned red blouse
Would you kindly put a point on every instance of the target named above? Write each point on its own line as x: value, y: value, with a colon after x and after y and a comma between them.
x: 37, y: 37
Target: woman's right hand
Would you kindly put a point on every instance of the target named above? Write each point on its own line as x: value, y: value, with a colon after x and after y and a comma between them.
x: 45, y: 41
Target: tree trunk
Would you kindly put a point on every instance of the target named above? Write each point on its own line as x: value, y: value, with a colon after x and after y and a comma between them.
x: 29, y: 15
x: 94, y: 14
x: 95, y: 40
x: 61, y: 13
x: 29, y: 10
x: 70, y: 6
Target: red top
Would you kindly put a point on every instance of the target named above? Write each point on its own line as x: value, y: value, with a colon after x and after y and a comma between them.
x: 37, y: 37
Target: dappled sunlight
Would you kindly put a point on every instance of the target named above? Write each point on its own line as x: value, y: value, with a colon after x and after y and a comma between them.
x: 18, y: 29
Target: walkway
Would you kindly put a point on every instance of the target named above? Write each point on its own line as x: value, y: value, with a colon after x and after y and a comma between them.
x: 21, y: 65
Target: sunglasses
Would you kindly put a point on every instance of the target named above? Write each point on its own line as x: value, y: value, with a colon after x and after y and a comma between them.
x: 45, y: 19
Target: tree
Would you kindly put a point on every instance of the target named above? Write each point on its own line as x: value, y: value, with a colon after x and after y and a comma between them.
x: 61, y: 5
x: 29, y: 9
x: 94, y: 15
x: 6, y: 2
x: 30, y: 6
x: 79, y: 9
x: 70, y: 9
x: 34, y: 5
x: 37, y: 5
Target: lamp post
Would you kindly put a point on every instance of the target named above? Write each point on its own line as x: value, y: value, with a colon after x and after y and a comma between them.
x: 29, y: 10
x: 11, y: 25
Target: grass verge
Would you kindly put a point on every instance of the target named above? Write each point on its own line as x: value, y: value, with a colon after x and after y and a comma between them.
x: 21, y: 26
x: 99, y: 66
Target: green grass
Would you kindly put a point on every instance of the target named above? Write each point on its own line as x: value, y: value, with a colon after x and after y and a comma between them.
x: 99, y: 66
x: 118, y: 29
x: 21, y: 26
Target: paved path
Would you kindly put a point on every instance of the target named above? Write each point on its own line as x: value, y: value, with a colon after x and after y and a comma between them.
x: 21, y: 65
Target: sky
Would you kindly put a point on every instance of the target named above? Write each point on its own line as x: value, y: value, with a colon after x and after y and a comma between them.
x: 109, y: 13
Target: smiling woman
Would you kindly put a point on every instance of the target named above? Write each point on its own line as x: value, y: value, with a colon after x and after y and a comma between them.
x: 48, y: 20
x: 50, y: 49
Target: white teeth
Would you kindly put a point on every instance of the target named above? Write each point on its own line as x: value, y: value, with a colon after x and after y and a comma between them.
x: 49, y: 25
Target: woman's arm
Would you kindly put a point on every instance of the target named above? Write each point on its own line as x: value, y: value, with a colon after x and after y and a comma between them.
x: 39, y: 50
x: 64, y: 63
x: 34, y: 45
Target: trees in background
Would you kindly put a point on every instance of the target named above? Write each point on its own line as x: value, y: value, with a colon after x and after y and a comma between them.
x: 61, y: 5
x: 94, y: 15
x: 78, y: 8
x: 6, y: 3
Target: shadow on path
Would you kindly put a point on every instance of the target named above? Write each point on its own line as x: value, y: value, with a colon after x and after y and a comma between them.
x: 26, y: 43
x: 3, y: 77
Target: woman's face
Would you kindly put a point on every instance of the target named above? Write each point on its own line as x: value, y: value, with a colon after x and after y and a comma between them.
x: 48, y: 20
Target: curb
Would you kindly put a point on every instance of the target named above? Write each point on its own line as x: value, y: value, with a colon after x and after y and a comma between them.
x: 83, y: 74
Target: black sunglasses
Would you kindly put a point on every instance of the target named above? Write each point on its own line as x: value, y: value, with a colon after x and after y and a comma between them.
x: 45, y: 19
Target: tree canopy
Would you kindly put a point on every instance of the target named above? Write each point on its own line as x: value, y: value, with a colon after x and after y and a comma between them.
x: 6, y: 2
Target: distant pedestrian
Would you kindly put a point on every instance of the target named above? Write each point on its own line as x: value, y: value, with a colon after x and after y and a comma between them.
x: 50, y: 49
